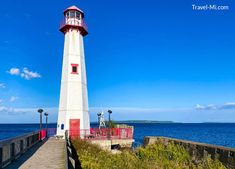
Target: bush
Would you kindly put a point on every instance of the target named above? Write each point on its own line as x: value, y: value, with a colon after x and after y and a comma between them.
x: 110, y: 124
x: 156, y: 156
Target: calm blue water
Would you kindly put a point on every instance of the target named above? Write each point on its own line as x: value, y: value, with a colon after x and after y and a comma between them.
x: 213, y: 133
x: 13, y: 130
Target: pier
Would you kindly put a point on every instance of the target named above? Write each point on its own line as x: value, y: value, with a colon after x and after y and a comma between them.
x: 32, y: 150
x: 49, y: 154
x: 12, y: 149
x: 35, y: 150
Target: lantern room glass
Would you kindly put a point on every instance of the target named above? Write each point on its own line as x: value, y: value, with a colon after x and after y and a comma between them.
x: 77, y: 15
x: 73, y: 14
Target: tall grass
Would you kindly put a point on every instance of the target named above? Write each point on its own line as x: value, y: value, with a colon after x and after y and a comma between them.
x: 156, y: 156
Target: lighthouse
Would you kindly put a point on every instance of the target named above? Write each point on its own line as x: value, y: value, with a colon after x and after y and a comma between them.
x: 73, y: 106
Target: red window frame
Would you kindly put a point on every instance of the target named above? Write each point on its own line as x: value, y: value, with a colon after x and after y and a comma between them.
x: 74, y: 65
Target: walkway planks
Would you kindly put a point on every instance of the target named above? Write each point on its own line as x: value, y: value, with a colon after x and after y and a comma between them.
x: 50, y: 155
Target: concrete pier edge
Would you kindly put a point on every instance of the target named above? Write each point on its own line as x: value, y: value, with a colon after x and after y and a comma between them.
x: 197, y: 150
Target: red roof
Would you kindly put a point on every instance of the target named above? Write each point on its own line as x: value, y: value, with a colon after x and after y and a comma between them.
x: 74, y: 8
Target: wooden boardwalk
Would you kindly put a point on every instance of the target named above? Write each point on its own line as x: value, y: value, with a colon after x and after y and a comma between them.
x: 48, y: 155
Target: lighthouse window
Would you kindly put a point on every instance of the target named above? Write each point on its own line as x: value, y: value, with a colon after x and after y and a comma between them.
x: 74, y: 68
x: 72, y: 14
x: 67, y: 15
x: 77, y: 15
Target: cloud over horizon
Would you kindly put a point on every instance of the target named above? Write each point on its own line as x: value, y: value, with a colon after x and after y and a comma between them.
x: 225, y: 106
x: 4, y: 109
x: 30, y: 115
x: 25, y: 115
x: 190, y: 115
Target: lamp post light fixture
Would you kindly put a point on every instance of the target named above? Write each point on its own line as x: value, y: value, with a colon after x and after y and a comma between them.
x: 40, y: 111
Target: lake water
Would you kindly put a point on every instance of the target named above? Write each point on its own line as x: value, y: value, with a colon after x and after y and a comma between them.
x: 213, y: 133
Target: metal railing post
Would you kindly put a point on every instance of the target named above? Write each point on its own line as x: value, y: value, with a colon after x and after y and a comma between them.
x: 1, y: 157
x: 12, y: 151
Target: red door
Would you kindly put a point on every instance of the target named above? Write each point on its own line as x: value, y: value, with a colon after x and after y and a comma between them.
x: 74, y: 128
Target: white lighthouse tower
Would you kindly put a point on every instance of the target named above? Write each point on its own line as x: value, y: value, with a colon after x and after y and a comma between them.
x: 73, y: 107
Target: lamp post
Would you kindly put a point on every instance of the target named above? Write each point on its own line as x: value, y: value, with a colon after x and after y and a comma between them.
x: 40, y: 111
x: 46, y: 114
x: 110, y: 112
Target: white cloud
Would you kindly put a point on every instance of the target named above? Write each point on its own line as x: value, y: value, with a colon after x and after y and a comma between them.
x: 13, y: 111
x: 3, y: 109
x: 13, y: 98
x: 25, y: 73
x: 2, y: 86
x: 136, y: 110
x: 30, y: 115
x: 228, y: 106
x: 14, y: 71
x: 199, y: 107
x: 206, y: 107
x: 25, y: 115
x: 125, y: 109
x: 0, y: 100
x: 216, y: 107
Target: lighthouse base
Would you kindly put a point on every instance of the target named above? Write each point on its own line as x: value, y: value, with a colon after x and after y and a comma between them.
x: 108, y: 144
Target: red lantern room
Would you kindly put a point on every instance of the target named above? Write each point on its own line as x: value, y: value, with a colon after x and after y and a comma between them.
x: 74, y: 19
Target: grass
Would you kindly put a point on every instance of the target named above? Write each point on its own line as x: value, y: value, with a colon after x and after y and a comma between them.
x: 156, y: 156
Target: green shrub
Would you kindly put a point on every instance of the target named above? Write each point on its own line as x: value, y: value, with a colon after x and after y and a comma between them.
x: 110, y: 124
x: 156, y: 156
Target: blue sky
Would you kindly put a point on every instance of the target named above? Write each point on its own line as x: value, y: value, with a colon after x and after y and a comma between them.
x: 149, y: 60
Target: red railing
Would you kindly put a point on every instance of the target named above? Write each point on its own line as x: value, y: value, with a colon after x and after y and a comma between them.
x: 42, y: 134
x: 102, y: 134
x: 50, y: 132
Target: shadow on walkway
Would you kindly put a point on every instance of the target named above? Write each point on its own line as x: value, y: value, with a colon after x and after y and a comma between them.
x: 24, y: 157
